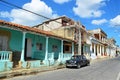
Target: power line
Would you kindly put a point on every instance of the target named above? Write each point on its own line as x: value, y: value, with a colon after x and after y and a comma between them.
x: 10, y: 4
x: 13, y: 5
x: 3, y: 4
x: 26, y: 10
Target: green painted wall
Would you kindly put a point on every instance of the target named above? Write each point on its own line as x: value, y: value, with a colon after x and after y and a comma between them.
x: 15, y: 44
x: 51, y: 44
x: 15, y: 39
x: 40, y: 54
x: 37, y: 54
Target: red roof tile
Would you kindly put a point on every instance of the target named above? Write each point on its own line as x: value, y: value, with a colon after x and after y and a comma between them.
x: 31, y: 29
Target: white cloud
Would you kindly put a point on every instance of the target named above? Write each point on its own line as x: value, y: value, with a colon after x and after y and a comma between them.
x: 89, y: 8
x: 26, y: 18
x: 4, y: 14
x: 115, y: 21
x: 61, y: 1
x: 99, y: 22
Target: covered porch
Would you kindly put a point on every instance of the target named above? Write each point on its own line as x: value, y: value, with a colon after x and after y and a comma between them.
x: 98, y: 49
x: 46, y: 51
x: 25, y: 47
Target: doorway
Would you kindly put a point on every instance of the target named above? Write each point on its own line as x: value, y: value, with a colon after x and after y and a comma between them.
x: 28, y: 49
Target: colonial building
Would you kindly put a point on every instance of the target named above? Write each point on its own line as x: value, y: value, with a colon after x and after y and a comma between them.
x: 98, y: 42
x: 111, y: 48
x: 68, y: 28
x: 26, y: 47
x: 50, y: 43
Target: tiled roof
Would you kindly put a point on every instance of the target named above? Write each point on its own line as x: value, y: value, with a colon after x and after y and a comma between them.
x: 24, y: 27
x: 48, y: 33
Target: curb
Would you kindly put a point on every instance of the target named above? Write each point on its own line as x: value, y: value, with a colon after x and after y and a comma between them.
x: 20, y: 72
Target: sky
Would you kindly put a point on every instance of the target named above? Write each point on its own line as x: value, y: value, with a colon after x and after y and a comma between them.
x: 93, y: 14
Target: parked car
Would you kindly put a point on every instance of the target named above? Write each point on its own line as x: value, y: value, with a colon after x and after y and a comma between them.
x: 77, y: 61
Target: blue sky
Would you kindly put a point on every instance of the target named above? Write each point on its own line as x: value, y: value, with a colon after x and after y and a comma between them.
x: 104, y: 14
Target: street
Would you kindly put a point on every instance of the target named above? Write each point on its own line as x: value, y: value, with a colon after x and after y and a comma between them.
x: 102, y: 70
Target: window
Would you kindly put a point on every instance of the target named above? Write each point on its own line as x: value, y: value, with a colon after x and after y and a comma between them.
x: 67, y: 49
x: 3, y: 43
x: 64, y: 23
x: 39, y: 46
x: 54, y: 47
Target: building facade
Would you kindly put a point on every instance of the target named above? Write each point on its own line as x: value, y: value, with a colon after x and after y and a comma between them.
x: 50, y: 43
x: 68, y: 28
x: 112, y: 47
x: 98, y: 43
x: 26, y: 47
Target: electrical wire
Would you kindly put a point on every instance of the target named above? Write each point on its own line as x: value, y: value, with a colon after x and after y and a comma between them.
x: 26, y: 10
x: 13, y: 5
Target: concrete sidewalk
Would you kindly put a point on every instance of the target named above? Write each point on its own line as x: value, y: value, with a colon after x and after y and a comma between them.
x: 20, y: 72
x: 100, y: 59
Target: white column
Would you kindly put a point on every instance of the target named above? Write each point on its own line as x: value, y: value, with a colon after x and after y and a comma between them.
x: 103, y: 50
x: 23, y: 47
x: 106, y: 53
x: 97, y: 48
x: 98, y: 53
x: 72, y: 48
x: 100, y: 49
x: 102, y: 38
x: 61, y: 49
x: 110, y: 51
x: 79, y: 42
x: 46, y: 51
x: 94, y: 49
x: 91, y: 49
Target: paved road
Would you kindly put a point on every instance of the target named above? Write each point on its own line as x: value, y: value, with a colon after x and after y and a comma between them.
x: 102, y: 70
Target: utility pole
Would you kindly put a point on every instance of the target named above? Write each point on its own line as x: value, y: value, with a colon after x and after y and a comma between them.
x: 78, y: 27
x: 79, y: 41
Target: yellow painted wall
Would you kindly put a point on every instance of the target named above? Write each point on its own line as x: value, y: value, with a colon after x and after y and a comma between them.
x: 64, y: 32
